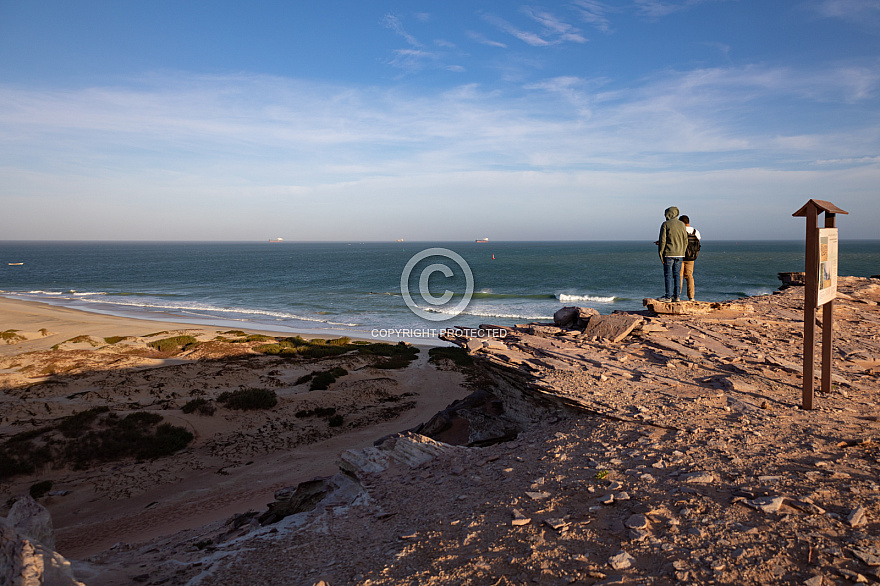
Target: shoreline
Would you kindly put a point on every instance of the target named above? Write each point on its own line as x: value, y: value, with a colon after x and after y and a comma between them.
x: 175, y: 322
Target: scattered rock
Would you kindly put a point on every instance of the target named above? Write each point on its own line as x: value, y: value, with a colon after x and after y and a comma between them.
x: 537, y: 495
x: 637, y: 522
x: 519, y: 518
x: 621, y: 561
x: 869, y: 555
x: 857, y: 517
x: 767, y: 504
x: 699, y: 478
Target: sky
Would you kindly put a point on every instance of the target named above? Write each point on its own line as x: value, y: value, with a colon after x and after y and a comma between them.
x: 362, y: 120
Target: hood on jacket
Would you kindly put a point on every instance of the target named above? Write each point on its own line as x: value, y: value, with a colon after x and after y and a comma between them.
x: 671, y: 213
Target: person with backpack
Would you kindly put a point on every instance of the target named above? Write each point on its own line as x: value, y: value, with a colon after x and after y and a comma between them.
x: 690, y: 255
x: 671, y: 247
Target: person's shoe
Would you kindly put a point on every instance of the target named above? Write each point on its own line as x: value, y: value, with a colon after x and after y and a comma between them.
x: 692, y: 298
x: 664, y: 298
x: 675, y: 300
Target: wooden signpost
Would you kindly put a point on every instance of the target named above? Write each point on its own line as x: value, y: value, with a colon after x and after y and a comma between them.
x: 821, y: 288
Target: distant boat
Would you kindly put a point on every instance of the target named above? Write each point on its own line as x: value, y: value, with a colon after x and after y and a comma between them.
x: 483, y: 241
x: 399, y: 240
x: 15, y: 264
x: 279, y: 239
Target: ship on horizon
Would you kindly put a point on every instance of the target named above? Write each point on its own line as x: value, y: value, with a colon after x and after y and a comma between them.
x: 482, y: 241
x: 279, y: 239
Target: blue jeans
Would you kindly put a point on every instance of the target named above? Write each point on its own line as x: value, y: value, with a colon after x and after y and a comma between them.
x: 672, y: 273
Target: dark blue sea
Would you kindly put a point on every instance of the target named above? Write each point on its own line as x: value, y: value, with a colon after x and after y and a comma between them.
x: 355, y: 288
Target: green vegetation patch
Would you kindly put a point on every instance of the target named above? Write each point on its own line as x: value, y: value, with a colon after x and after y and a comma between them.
x: 39, y: 489
x: 459, y: 356
x: 248, y: 399
x: 317, y: 412
x: 396, y: 355
x: 200, y: 406
x: 392, y: 355
x: 115, y: 339
x: 322, y: 380
x: 89, y: 437
x: 174, y: 345
x: 334, y: 419
x: 10, y: 336
x: 82, y: 340
x: 78, y: 423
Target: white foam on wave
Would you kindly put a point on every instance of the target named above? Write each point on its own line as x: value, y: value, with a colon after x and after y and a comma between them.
x: 591, y: 298
x: 487, y: 313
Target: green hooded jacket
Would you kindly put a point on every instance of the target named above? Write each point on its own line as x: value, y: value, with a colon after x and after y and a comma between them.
x: 673, y: 235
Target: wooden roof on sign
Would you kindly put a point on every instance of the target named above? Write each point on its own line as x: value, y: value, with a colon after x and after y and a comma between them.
x: 821, y: 205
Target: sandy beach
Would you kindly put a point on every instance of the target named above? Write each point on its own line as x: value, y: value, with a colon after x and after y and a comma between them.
x: 55, y: 362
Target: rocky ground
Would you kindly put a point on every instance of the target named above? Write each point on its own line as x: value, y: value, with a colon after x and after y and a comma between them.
x: 646, y: 448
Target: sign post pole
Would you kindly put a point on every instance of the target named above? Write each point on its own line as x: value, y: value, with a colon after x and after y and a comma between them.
x: 820, y: 288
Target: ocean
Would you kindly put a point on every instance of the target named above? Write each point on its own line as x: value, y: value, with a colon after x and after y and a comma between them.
x: 354, y: 289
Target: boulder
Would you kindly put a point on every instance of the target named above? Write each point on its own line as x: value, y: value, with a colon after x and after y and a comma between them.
x: 565, y: 316
x: 573, y: 317
x: 32, y: 520
x: 792, y: 279
x: 611, y: 327
x: 26, y: 556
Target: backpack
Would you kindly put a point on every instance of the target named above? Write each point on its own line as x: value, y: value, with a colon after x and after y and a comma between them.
x: 693, y: 247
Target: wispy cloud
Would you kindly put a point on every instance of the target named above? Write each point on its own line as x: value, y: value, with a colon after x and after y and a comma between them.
x: 480, y: 38
x: 660, y: 8
x: 866, y: 12
x: 555, y: 27
x: 594, y: 13
x: 524, y: 36
x: 393, y: 22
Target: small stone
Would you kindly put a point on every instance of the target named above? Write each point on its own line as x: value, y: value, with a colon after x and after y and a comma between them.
x: 557, y: 524
x: 607, y: 499
x: 857, y: 517
x: 519, y: 518
x: 621, y: 561
x: 815, y: 581
x: 767, y: 504
x: 538, y: 495
x: 853, y: 576
x: 621, y: 496
x: 869, y: 555
x: 637, y: 522
x: 699, y: 478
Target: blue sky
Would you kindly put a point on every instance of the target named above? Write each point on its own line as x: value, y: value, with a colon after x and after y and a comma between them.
x: 361, y: 120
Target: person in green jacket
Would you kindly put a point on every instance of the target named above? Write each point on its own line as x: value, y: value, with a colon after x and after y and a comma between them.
x: 671, y: 246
